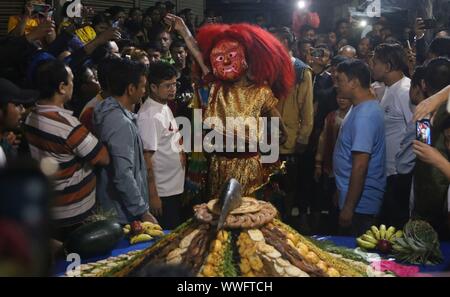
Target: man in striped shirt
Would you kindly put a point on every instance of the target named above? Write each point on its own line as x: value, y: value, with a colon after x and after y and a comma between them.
x: 54, y: 135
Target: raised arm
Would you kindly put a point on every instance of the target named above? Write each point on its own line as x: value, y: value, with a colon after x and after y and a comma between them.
x: 431, y: 104
x: 180, y: 27
x: 16, y: 25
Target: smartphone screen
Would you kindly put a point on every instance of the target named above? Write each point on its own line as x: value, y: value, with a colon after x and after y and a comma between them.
x: 423, y: 131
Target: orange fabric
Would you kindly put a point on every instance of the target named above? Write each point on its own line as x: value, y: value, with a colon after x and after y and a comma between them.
x: 77, y: 136
x: 87, y: 118
x: 101, y: 155
x: 67, y: 172
x: 47, y: 145
x: 14, y: 21
x: 79, y: 195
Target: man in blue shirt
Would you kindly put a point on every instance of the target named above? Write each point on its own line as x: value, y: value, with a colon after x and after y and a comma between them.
x: 360, y: 153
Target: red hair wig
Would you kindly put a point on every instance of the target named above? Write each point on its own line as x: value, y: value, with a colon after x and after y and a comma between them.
x: 268, y: 60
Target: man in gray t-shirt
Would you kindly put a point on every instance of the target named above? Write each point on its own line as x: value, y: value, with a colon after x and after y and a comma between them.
x: 389, y: 64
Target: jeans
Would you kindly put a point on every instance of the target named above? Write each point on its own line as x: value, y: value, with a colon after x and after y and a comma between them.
x: 308, y: 187
x: 395, y: 209
x: 171, y: 212
x: 289, y: 184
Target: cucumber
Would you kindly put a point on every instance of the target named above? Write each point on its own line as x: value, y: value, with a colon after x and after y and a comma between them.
x: 94, y: 239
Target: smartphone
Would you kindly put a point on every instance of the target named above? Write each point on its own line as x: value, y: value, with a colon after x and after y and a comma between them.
x: 41, y: 8
x: 429, y: 24
x: 423, y: 131
x: 115, y: 24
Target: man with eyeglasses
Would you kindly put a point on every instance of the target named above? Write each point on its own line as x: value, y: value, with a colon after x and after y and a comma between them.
x: 163, y: 151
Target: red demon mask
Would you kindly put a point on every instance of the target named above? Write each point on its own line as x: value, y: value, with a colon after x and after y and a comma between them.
x: 228, y: 60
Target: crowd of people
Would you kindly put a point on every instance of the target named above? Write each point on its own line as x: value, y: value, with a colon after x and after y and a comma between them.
x: 99, y: 96
x: 362, y: 162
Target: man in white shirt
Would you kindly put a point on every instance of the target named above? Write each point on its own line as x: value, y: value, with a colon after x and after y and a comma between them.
x: 389, y: 66
x: 163, y: 152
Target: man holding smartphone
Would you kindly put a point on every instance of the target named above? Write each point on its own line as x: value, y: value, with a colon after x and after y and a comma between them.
x: 20, y: 25
x: 430, y: 184
x: 436, y: 48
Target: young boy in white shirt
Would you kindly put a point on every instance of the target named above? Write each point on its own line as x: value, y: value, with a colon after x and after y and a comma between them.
x: 163, y: 151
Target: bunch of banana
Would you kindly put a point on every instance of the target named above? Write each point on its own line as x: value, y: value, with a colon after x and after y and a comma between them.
x: 142, y: 231
x: 379, y: 238
x: 151, y: 229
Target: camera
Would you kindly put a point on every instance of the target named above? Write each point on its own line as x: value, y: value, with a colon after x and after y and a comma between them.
x: 41, y: 8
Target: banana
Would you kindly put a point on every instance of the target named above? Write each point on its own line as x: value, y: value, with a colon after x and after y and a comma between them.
x: 368, y: 238
x: 151, y: 225
x: 126, y: 231
x: 365, y: 244
x: 127, y: 227
x: 399, y: 234
x: 140, y: 238
x: 370, y: 233
x: 390, y: 232
x: 375, y: 232
x: 154, y: 232
x: 382, y: 231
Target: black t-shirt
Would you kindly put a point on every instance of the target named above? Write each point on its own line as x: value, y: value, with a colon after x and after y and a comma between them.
x: 324, y: 96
